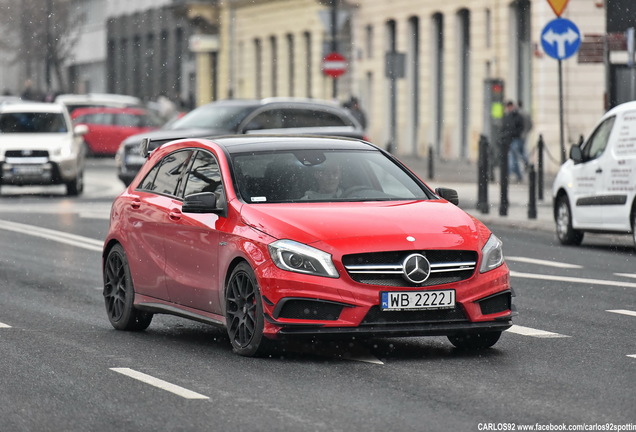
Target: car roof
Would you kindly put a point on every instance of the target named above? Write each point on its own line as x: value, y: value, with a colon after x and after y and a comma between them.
x: 108, y: 110
x: 276, y: 100
x: 627, y: 106
x: 98, y: 98
x: 255, y: 143
x: 33, y: 107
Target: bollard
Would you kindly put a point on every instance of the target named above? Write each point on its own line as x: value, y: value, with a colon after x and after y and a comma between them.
x: 540, y: 150
x: 482, y: 175
x: 431, y: 164
x: 503, y: 174
x: 532, y: 193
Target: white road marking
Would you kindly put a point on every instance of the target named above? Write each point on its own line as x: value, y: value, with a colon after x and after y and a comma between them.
x: 156, y: 382
x: 631, y: 355
x: 366, y: 358
x: 543, y: 262
x: 527, y: 331
x: 623, y: 312
x: 627, y: 275
x: 58, y: 236
x: 572, y: 279
x: 3, y: 325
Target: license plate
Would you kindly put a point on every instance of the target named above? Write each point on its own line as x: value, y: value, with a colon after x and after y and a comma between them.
x: 27, y: 170
x: 417, y: 300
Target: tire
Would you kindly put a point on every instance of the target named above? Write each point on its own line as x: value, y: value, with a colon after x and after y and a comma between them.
x: 563, y: 220
x: 244, y: 313
x: 475, y: 341
x: 76, y: 186
x: 119, y: 294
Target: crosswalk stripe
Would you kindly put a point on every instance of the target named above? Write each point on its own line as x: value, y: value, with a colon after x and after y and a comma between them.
x: 156, y: 382
x: 527, y: 331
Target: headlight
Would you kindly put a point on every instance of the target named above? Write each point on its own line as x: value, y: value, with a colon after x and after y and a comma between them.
x: 300, y: 258
x: 492, y: 254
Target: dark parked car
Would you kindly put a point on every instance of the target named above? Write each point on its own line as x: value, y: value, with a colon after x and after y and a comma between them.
x: 283, y: 236
x: 242, y: 116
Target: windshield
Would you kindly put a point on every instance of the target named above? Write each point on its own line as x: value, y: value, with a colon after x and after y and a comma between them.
x: 30, y: 122
x: 323, y: 176
x: 212, y: 117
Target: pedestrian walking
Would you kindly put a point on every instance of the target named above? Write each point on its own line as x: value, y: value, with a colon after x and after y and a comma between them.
x: 353, y: 105
x: 512, y: 133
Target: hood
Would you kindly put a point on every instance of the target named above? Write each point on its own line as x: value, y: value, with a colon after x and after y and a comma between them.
x: 369, y: 226
x: 34, y: 141
x: 172, y: 134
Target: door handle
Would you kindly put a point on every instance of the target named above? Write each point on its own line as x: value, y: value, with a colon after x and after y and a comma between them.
x: 599, y: 170
x: 135, y: 204
x: 175, y: 214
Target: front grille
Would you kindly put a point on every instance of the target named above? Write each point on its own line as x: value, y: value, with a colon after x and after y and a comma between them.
x: 376, y: 316
x: 308, y: 309
x: 27, y: 154
x: 385, y: 268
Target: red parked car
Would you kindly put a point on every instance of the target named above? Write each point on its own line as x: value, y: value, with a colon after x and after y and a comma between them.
x: 108, y: 127
x: 281, y: 236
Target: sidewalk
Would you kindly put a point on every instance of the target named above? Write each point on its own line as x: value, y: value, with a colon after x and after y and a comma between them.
x: 462, y: 176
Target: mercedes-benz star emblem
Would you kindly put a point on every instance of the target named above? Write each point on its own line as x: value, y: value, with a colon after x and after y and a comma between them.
x: 416, y: 268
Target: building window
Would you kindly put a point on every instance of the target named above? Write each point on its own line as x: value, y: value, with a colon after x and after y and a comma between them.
x: 290, y: 64
x: 274, y: 64
x: 369, y: 41
x: 308, y: 64
x: 258, y: 62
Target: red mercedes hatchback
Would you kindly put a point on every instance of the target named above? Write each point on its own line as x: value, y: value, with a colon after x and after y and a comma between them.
x: 273, y: 237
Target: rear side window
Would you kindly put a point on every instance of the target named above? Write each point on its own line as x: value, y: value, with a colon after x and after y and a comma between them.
x: 299, y: 118
x: 166, y: 177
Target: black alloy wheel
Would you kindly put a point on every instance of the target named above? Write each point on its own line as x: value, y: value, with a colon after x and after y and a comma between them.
x: 119, y: 294
x: 566, y: 234
x: 244, y: 313
x: 475, y: 341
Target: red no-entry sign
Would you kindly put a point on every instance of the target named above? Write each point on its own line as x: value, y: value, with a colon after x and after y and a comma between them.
x: 334, y: 64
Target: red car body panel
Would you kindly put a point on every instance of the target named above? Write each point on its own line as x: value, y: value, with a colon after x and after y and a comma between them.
x: 183, y: 260
x: 103, y: 138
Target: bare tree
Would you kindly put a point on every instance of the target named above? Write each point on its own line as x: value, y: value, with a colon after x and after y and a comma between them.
x: 41, y: 35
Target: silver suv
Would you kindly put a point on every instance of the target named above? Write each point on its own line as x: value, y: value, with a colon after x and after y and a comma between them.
x: 39, y: 146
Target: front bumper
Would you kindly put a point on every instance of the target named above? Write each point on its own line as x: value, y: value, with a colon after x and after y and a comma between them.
x: 296, y: 304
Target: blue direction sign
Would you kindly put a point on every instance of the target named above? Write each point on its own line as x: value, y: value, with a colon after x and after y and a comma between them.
x: 560, y: 38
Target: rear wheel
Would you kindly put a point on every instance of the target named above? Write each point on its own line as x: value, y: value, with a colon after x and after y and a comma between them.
x: 475, y: 341
x: 244, y: 313
x: 119, y: 294
x: 566, y: 234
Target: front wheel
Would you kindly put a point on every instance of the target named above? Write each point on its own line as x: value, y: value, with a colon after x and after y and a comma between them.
x: 566, y: 234
x: 475, y: 341
x: 244, y: 313
x: 119, y: 293
x: 76, y: 186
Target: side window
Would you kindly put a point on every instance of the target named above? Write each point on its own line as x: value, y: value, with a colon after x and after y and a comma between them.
x: 299, y: 118
x: 204, y: 176
x: 271, y: 119
x: 597, y: 142
x: 165, y: 177
x: 127, y: 120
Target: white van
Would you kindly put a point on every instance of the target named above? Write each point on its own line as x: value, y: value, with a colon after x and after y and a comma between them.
x: 594, y: 190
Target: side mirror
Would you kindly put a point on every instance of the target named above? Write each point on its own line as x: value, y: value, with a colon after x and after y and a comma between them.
x: 204, y: 202
x: 80, y: 129
x: 576, y: 154
x: 449, y: 195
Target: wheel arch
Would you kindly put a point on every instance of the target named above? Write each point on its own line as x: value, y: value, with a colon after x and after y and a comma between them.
x: 560, y: 193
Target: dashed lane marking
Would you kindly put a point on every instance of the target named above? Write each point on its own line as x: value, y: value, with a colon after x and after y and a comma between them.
x: 572, y: 279
x: 631, y: 355
x: 58, y: 236
x: 623, y: 312
x: 156, y: 382
x: 543, y: 262
x: 627, y: 275
x: 3, y: 325
x: 527, y: 331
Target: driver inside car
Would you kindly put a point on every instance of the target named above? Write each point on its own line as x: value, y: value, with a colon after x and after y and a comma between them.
x: 327, y: 182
